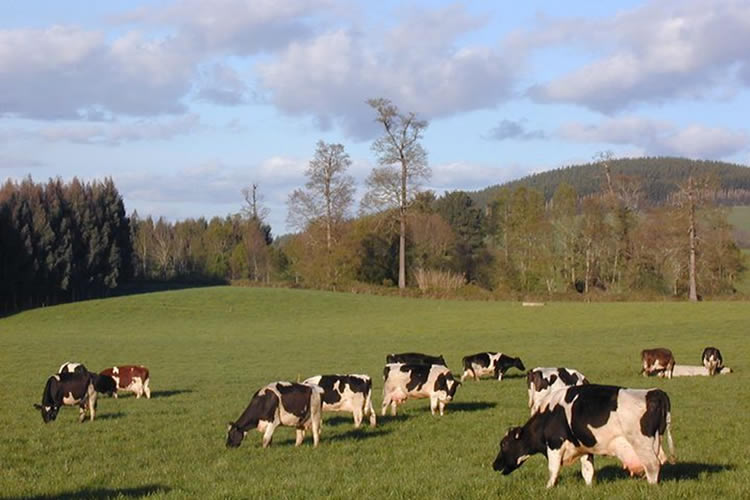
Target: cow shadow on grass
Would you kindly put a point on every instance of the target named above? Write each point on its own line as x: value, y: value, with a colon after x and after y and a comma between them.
x: 680, y: 471
x: 457, y: 406
x: 103, y: 493
x: 360, y: 434
x: 109, y: 416
x: 169, y: 393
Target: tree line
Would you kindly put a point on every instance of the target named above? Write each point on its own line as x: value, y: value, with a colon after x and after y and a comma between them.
x: 61, y: 242
x: 73, y: 241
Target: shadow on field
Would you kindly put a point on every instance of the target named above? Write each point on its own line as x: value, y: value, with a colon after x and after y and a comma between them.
x: 102, y: 493
x: 669, y: 472
x: 169, y: 394
x: 109, y: 416
x: 358, y: 434
x: 469, y: 406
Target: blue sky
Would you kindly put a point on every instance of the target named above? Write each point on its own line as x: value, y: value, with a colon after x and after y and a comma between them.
x: 183, y: 103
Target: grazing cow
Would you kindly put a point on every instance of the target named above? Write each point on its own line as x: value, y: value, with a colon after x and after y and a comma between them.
x: 133, y: 378
x: 712, y: 360
x: 415, y: 358
x: 489, y: 363
x: 697, y: 371
x: 347, y: 393
x: 413, y: 381
x: 280, y: 403
x: 658, y: 360
x: 542, y: 381
x: 587, y: 420
x: 68, y: 389
x: 70, y: 367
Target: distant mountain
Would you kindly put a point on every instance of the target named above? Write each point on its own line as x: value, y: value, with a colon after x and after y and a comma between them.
x: 658, y: 178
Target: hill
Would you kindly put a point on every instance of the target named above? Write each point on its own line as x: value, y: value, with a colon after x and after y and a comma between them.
x: 658, y: 177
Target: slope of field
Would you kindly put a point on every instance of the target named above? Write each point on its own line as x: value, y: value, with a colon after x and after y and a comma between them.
x: 210, y: 349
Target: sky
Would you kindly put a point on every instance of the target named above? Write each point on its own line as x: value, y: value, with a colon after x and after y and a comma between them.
x: 183, y: 103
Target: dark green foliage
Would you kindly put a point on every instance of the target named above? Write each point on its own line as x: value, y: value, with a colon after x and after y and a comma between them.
x: 61, y: 242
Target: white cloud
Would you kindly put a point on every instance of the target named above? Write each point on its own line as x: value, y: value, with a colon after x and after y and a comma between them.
x: 417, y: 65
x: 663, y: 50
x: 660, y: 137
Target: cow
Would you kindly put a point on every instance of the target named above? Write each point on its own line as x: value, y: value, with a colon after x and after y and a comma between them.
x: 132, y: 378
x: 70, y: 367
x: 698, y: 370
x: 347, y: 393
x: 658, y: 360
x: 415, y: 358
x: 542, y: 381
x: 586, y: 420
x: 489, y: 363
x: 280, y: 403
x: 69, y: 389
x: 712, y: 360
x: 415, y: 381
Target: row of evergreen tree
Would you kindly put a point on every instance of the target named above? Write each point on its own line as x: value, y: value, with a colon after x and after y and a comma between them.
x: 61, y: 242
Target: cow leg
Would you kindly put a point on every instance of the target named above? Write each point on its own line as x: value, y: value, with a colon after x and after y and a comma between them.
x: 466, y: 373
x: 394, y: 407
x: 268, y: 434
x: 554, y: 463
x: 82, y: 413
x: 300, y: 436
x: 147, y: 389
x: 371, y: 412
x: 315, y: 424
x: 357, y: 413
x: 433, y: 404
x: 441, y: 406
x: 587, y: 469
x: 386, y: 402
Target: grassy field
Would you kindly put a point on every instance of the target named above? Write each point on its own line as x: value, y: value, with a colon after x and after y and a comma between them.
x: 210, y: 349
x: 739, y: 217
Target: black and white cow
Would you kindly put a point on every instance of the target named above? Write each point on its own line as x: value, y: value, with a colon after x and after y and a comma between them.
x: 351, y: 393
x: 712, y: 360
x: 542, y: 381
x: 415, y: 358
x: 589, y: 420
x: 415, y: 381
x: 489, y: 363
x: 280, y: 403
x: 71, y: 389
x: 70, y: 367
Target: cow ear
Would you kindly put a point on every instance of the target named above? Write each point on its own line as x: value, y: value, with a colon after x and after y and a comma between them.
x: 37, y: 406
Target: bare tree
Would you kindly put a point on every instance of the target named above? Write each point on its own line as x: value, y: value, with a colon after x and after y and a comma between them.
x: 403, y: 166
x: 257, y: 234
x: 328, y: 193
x: 694, y: 193
x: 254, y: 208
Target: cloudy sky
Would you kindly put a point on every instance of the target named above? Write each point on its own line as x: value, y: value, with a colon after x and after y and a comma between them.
x: 185, y: 102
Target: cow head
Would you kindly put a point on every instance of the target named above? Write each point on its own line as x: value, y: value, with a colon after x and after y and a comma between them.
x: 513, y: 451
x: 49, y: 413
x: 234, y: 435
x: 519, y: 364
x: 447, y: 386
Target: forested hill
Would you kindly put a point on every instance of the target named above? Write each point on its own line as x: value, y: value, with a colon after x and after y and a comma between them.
x: 657, y: 177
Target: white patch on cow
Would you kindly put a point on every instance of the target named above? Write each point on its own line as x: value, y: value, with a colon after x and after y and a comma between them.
x: 47, y: 408
x: 115, y: 370
x: 70, y: 399
x: 57, y: 377
x: 522, y: 459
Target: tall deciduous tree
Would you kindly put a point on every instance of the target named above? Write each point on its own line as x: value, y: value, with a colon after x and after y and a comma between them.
x: 694, y: 192
x: 403, y: 166
x: 328, y: 193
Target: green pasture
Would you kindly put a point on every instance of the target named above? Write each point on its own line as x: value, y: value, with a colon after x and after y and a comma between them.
x: 209, y: 349
x: 739, y: 217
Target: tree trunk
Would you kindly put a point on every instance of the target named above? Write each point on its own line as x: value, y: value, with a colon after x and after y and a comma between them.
x: 402, y: 252
x: 588, y: 267
x: 691, y: 269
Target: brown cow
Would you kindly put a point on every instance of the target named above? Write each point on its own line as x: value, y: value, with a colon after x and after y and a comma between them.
x: 659, y: 361
x: 133, y: 378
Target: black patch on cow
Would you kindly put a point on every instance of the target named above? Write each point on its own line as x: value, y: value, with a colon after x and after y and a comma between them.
x: 418, y: 375
x: 295, y: 399
x: 504, y: 363
x: 104, y: 384
x: 556, y: 429
x: 415, y: 358
x: 592, y: 405
x: 547, y: 429
x: 657, y: 408
x: 567, y: 377
x: 261, y: 407
x: 330, y: 394
x: 76, y: 384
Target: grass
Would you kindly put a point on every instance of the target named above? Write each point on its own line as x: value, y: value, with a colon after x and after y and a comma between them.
x: 739, y: 217
x: 208, y: 350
